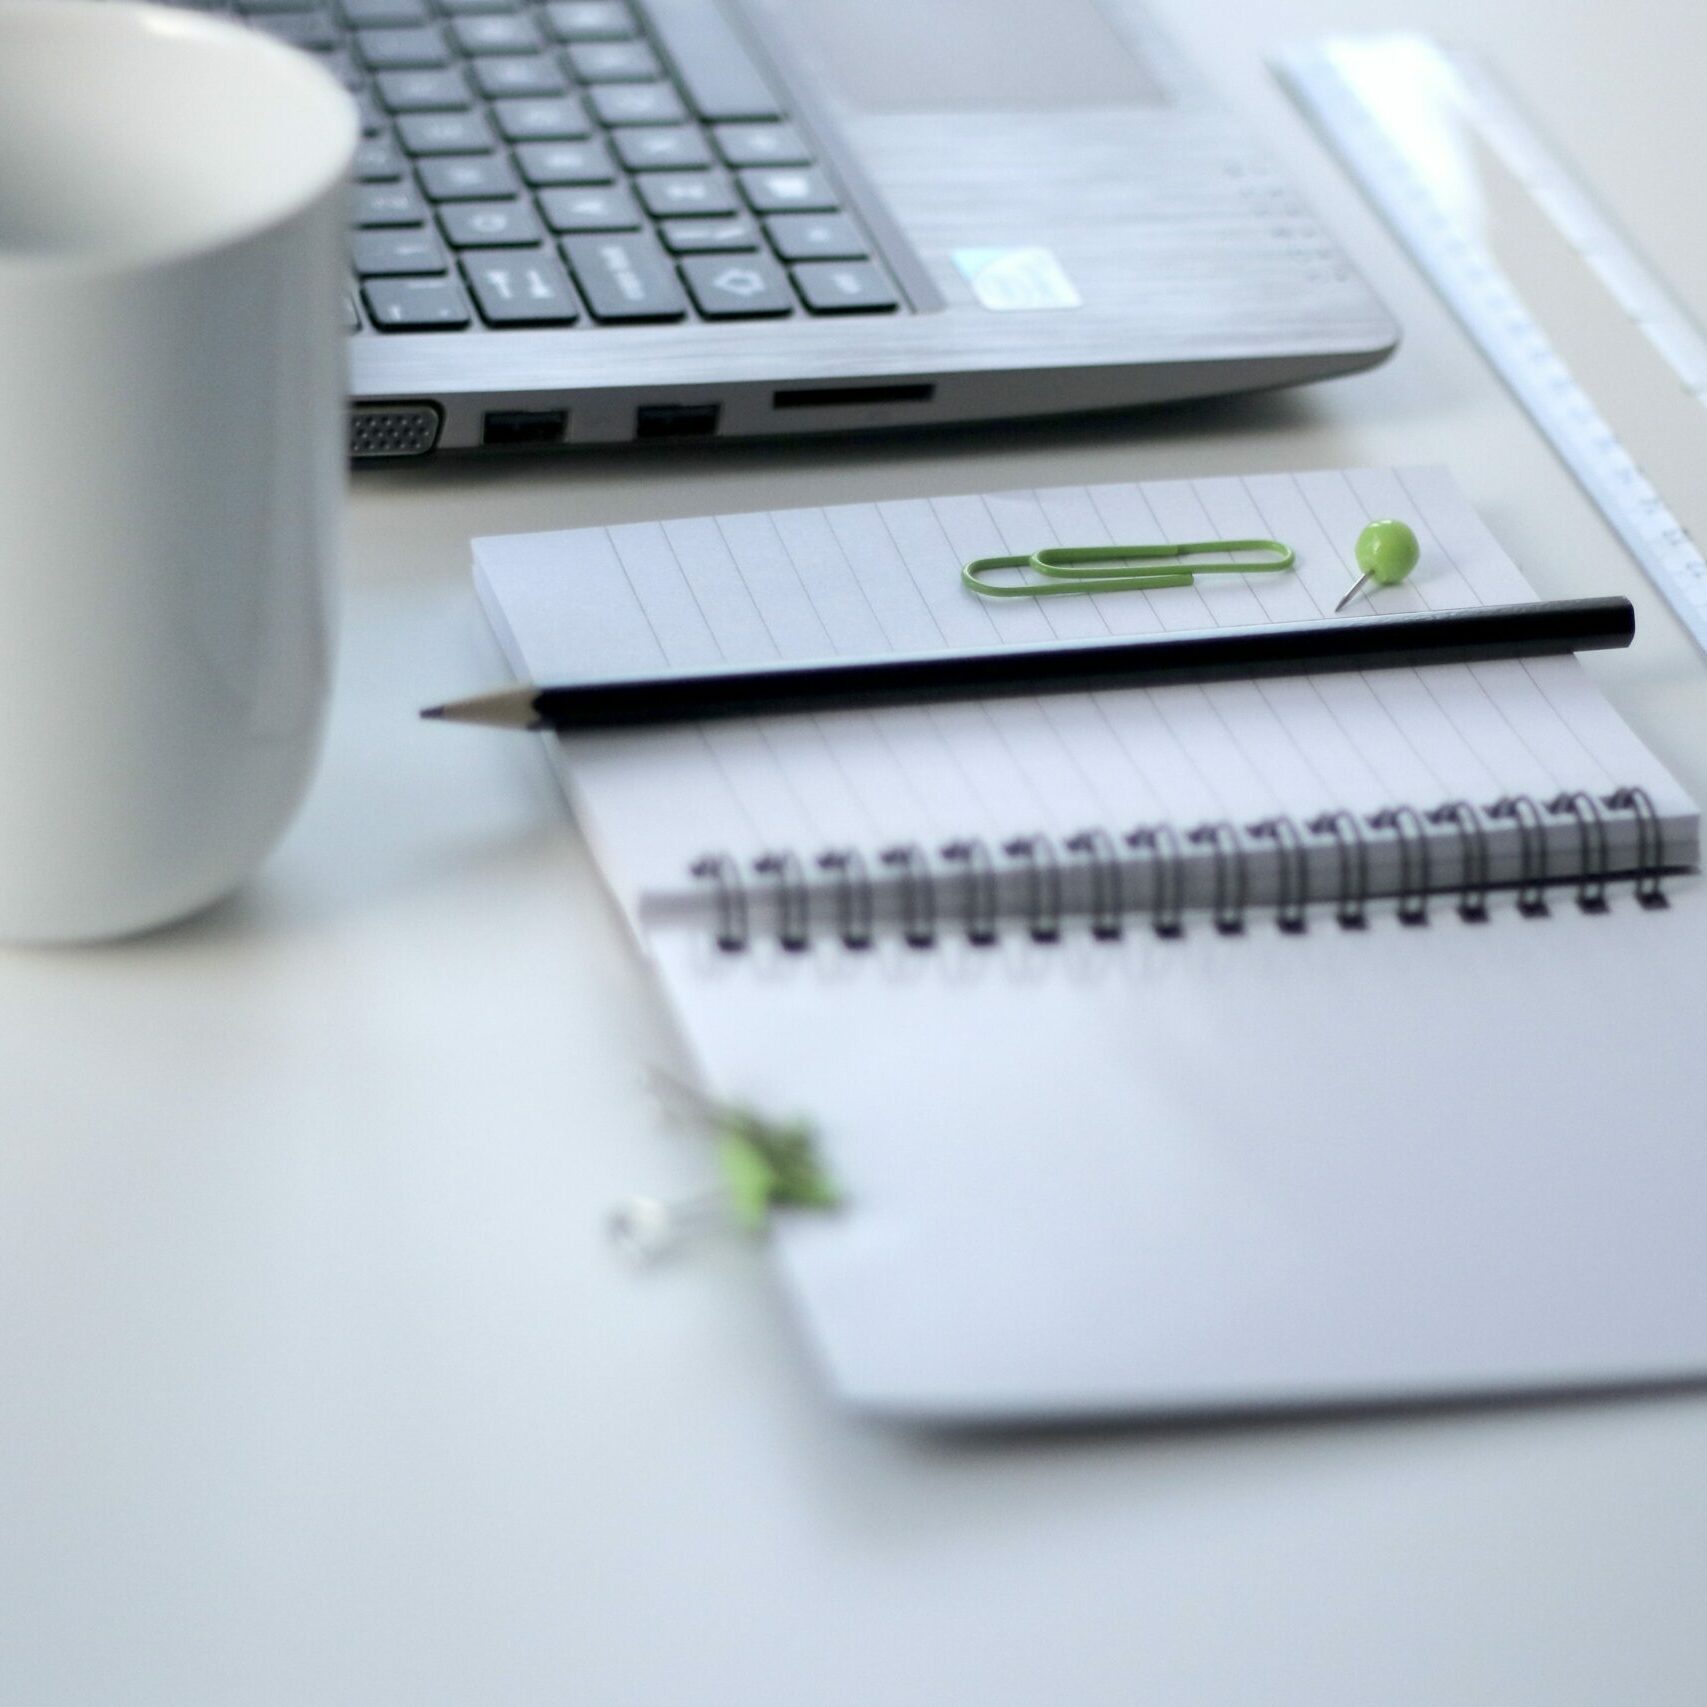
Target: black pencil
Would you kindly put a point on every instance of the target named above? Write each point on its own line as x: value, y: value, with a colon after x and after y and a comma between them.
x: 1063, y: 666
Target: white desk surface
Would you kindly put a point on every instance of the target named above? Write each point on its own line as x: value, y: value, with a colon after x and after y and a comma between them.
x: 318, y: 1385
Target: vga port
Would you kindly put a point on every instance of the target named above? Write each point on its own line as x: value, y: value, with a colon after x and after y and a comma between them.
x: 392, y: 429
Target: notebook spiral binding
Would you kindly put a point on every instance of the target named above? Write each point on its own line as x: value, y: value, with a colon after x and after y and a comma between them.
x: 1139, y: 874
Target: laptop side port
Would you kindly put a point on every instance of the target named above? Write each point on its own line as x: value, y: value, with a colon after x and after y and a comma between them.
x: 524, y: 427
x: 849, y: 396
x: 676, y: 420
x: 393, y: 429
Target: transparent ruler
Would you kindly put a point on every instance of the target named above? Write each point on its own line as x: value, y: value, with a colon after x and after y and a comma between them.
x: 1607, y: 361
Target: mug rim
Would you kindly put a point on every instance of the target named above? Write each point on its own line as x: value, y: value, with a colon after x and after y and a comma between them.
x: 130, y: 20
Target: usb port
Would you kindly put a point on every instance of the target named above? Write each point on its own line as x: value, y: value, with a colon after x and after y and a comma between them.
x: 524, y: 427
x: 676, y: 420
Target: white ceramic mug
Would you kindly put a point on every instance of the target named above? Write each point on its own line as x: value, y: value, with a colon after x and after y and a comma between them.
x: 171, y: 455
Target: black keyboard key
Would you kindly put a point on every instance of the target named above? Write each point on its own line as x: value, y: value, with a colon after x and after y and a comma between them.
x: 591, y: 20
x: 375, y: 14
x: 424, y: 91
x: 816, y: 237
x: 589, y: 210
x: 490, y: 225
x: 520, y: 289
x: 761, y: 145
x: 416, y: 305
x: 386, y: 204
x: 787, y: 189
x: 555, y: 119
x: 661, y: 149
x: 738, y: 287
x: 396, y: 254
x: 533, y: 75
x: 667, y: 194
x: 417, y: 49
x: 547, y: 163
x: 498, y: 33
x: 625, y: 278
x: 377, y: 161
x: 719, y: 76
x: 709, y: 236
x: 467, y: 177
x: 614, y: 62
x: 444, y: 133
x: 636, y: 103
x: 845, y: 287
x: 312, y: 30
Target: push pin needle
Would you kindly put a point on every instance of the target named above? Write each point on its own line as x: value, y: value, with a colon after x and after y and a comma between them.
x: 1386, y: 553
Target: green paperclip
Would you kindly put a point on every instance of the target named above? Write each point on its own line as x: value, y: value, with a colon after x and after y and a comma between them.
x: 1117, y: 568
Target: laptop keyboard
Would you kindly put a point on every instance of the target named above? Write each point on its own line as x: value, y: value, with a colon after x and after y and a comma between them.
x: 552, y: 163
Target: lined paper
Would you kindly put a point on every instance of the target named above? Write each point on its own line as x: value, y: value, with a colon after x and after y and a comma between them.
x: 877, y: 579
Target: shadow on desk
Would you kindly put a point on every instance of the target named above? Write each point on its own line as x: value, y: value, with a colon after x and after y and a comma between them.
x: 293, y: 901
x: 1202, y: 1428
x: 525, y: 491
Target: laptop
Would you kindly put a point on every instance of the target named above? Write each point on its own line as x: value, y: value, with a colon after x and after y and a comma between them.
x: 586, y: 222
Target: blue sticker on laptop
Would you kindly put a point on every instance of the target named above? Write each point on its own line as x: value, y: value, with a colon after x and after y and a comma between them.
x: 1017, y: 278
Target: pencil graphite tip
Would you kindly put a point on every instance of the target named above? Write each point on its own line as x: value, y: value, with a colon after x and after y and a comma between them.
x: 509, y: 708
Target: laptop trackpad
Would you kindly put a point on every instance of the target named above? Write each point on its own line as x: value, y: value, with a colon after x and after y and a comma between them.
x: 1003, y: 55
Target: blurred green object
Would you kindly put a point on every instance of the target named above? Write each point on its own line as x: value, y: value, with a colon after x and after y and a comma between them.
x: 770, y: 1166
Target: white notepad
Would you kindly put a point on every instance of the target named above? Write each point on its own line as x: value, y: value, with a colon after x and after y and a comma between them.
x: 1289, y: 1154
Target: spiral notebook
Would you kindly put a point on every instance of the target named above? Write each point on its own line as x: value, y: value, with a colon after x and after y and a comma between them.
x: 1303, y: 1041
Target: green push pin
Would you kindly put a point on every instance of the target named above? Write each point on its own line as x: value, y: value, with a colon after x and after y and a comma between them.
x: 1386, y: 553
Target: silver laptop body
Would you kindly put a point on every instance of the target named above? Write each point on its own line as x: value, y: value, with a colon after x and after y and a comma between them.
x: 1052, y: 214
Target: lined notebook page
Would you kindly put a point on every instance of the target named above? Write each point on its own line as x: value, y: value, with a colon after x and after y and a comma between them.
x: 872, y: 579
